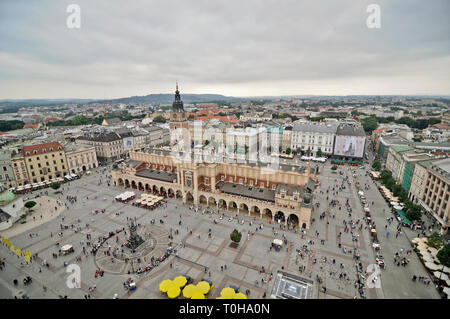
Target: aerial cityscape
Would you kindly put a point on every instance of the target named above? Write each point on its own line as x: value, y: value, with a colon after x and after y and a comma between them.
x: 152, y: 176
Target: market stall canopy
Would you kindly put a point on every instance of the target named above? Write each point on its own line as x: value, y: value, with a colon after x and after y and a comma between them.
x: 66, y: 247
x: 278, y: 242
x: 432, y: 266
x: 440, y: 275
x: 403, y: 217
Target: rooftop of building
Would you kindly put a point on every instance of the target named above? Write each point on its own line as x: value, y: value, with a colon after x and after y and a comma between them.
x: 37, y: 149
x: 350, y: 130
x: 314, y: 127
x: 158, y: 175
x: 247, y: 191
x: 401, y: 148
x: 102, y: 137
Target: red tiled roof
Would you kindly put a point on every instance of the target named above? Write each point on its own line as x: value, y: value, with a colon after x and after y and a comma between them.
x: 51, y: 119
x: 41, y: 148
x: 35, y: 126
x: 441, y: 126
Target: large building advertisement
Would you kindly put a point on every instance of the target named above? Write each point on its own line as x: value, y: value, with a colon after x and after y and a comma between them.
x: 349, y: 146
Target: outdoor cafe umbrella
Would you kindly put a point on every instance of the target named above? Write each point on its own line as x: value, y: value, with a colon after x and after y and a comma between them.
x: 239, y: 295
x: 180, y: 281
x: 447, y: 270
x: 394, y: 203
x: 189, y: 290
x: 397, y: 207
x: 165, y: 285
x: 173, y: 292
x: 427, y: 257
x: 439, y: 274
x: 432, y: 266
x: 198, y: 295
x: 433, y: 251
x: 227, y: 293
x: 447, y: 291
x: 203, y: 287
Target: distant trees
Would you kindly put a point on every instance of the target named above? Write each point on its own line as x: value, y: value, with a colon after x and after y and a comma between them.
x: 159, y: 119
x: 11, y: 125
x: 370, y: 123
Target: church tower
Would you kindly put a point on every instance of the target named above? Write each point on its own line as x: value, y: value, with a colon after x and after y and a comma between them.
x: 179, y: 124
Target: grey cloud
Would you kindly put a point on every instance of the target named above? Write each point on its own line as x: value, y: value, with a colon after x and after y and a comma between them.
x: 133, y: 44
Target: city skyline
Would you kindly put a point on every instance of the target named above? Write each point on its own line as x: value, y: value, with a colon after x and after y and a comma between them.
x: 234, y: 49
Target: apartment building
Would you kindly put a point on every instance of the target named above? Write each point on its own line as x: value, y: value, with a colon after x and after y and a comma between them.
x: 80, y: 157
x: 313, y: 136
x: 45, y: 161
x: 108, y: 146
x: 436, y: 193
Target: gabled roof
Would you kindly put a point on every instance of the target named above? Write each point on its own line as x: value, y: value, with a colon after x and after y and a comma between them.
x: 38, y: 149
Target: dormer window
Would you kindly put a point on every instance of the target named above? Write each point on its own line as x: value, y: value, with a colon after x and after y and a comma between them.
x: 50, y: 149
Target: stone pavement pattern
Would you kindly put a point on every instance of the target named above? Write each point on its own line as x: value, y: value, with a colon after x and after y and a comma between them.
x: 195, y: 254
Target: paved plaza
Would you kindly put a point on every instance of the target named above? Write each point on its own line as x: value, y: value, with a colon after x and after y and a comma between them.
x: 201, y: 256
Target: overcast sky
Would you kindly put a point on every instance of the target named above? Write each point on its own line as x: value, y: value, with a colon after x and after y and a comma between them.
x: 238, y: 48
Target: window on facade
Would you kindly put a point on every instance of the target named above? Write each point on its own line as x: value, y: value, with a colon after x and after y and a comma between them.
x: 273, y: 187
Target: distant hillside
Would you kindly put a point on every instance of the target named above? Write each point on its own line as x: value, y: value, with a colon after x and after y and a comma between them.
x: 168, y: 98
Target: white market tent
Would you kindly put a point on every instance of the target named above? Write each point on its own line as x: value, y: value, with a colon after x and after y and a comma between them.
x: 278, y: 242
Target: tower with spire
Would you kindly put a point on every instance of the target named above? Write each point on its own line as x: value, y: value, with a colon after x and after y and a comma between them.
x: 177, y: 105
x: 179, y: 125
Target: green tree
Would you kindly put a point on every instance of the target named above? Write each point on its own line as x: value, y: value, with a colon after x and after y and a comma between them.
x: 444, y: 255
x: 319, y: 153
x: 435, y: 240
x: 334, y: 167
x: 55, y: 186
x: 369, y: 124
x: 159, y: 119
x: 376, y: 165
x: 11, y: 125
x: 235, y: 236
x: 30, y: 205
x: 288, y: 151
x: 414, y: 213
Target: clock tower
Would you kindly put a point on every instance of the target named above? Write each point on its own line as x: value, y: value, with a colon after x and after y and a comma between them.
x: 179, y: 124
